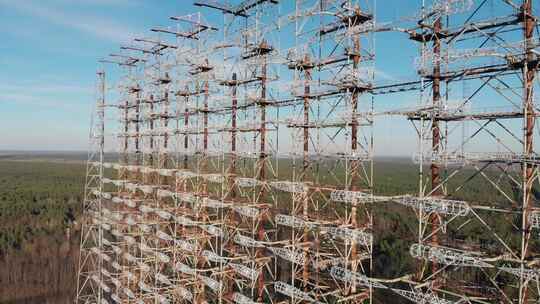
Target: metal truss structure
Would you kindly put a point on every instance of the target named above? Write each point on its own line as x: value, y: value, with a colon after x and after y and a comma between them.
x: 245, y: 157
x: 478, y: 71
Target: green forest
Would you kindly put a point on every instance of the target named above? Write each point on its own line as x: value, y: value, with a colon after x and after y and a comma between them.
x: 40, y: 199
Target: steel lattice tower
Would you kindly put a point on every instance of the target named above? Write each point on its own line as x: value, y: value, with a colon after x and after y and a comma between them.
x: 245, y: 169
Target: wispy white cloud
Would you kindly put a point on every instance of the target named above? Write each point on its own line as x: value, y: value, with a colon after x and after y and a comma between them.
x: 45, y: 94
x: 96, y: 26
x: 385, y: 76
x: 44, y: 87
x: 103, y: 2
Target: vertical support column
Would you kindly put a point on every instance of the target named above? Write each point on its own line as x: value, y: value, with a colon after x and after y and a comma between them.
x: 203, y: 170
x: 305, y: 167
x: 355, y: 164
x: 436, y: 135
x: 151, y: 156
x: 232, y: 169
x: 186, y: 125
x: 307, y: 90
x: 205, y: 134
x: 101, y: 127
x: 262, y: 174
x: 137, y: 127
x: 124, y: 157
x: 101, y: 119
x: 262, y: 155
x: 231, y: 174
x: 529, y: 73
x: 165, y: 112
x: 91, y: 231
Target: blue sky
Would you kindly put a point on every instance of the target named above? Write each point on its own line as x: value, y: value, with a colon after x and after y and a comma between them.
x: 48, y: 64
x: 50, y: 49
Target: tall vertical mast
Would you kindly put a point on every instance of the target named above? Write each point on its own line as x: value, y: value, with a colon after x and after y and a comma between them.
x: 89, y: 277
x: 529, y: 75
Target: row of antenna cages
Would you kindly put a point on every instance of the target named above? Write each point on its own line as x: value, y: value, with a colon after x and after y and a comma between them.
x: 427, y: 205
x: 350, y: 23
x: 146, y: 217
x: 201, y: 70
